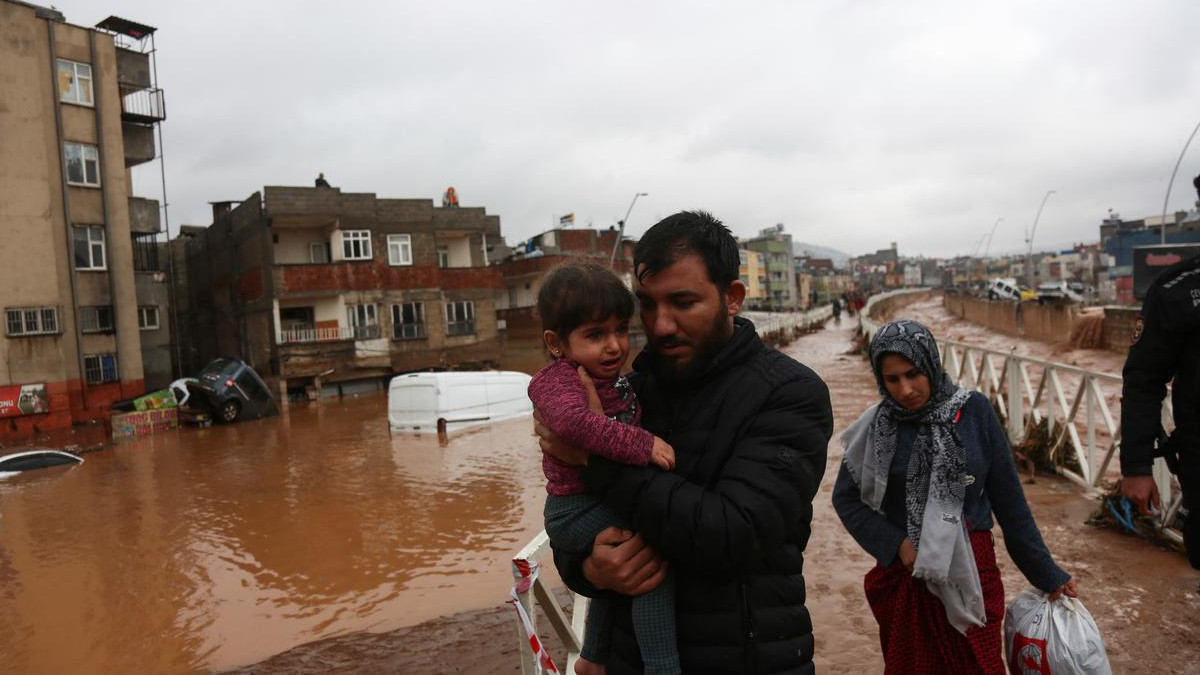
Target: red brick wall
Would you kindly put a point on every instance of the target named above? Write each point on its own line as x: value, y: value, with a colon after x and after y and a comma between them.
x: 67, y: 410
x: 250, y: 285
x: 375, y: 275
x: 576, y: 240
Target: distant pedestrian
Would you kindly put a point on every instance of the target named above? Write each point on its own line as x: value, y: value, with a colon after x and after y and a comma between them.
x: 925, y: 471
x: 837, y: 310
x: 321, y: 182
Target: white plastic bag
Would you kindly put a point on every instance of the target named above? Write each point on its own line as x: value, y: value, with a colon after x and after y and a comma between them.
x: 1052, y: 638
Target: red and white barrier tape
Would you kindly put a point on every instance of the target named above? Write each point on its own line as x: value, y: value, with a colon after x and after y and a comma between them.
x: 526, y: 573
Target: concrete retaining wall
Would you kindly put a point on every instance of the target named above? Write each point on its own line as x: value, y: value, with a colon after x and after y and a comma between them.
x: 1051, y: 322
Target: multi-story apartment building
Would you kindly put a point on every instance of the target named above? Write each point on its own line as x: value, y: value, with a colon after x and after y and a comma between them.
x: 76, y: 113
x: 331, y: 291
x: 775, y: 245
x: 754, y: 274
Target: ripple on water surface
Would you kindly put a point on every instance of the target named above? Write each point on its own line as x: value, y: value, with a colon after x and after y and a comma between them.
x: 207, y: 548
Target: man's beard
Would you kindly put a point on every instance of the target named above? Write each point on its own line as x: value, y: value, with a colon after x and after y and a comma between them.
x: 704, y: 349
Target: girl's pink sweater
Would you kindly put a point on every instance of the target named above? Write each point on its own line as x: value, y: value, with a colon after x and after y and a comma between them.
x: 561, y: 399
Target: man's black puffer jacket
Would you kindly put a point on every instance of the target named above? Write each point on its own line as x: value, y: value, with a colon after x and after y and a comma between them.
x: 750, y: 438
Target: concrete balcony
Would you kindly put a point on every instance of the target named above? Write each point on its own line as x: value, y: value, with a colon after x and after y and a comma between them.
x: 143, y: 216
x: 133, y: 70
x: 316, y: 334
x: 139, y: 143
x: 144, y: 107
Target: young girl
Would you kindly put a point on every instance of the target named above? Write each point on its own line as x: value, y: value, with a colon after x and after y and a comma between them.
x: 585, y: 312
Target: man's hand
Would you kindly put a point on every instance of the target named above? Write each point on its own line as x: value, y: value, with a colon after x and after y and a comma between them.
x: 1068, y: 589
x: 1142, y: 491
x: 908, y: 554
x: 621, y: 561
x: 554, y: 446
x: 662, y: 454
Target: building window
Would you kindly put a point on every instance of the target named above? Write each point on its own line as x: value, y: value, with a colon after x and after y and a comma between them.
x: 83, y: 164
x: 356, y: 245
x: 399, y: 249
x: 408, y: 321
x: 100, y: 368
x: 148, y: 317
x: 96, y: 319
x: 31, y: 321
x: 75, y: 82
x: 460, y: 318
x: 443, y: 257
x: 89, y: 247
x: 145, y: 253
x: 363, y: 320
x: 318, y: 252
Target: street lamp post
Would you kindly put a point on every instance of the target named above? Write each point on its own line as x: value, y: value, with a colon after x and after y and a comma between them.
x: 989, y: 247
x: 612, y: 260
x: 1162, y: 229
x: 1029, y: 240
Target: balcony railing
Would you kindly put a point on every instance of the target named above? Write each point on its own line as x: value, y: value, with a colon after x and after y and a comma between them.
x: 321, y: 334
x: 144, y: 106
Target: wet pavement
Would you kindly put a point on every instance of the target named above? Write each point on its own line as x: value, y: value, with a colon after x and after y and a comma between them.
x: 320, y: 534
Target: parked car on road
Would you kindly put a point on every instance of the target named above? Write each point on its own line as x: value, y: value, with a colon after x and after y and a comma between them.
x: 232, y: 391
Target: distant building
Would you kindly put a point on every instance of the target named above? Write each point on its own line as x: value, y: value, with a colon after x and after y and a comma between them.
x: 77, y: 109
x: 775, y: 246
x: 321, y: 289
x: 754, y: 275
x: 527, y: 262
x: 1119, y: 237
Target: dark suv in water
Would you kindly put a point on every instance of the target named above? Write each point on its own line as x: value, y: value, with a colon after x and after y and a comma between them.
x: 233, y: 391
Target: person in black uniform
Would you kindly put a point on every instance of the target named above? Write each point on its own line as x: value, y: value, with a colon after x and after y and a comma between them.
x: 1165, y: 346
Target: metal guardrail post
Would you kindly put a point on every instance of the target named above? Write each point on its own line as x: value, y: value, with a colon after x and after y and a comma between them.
x: 1016, y: 400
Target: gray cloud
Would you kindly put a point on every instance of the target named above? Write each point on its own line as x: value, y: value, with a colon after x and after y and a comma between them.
x: 855, y: 124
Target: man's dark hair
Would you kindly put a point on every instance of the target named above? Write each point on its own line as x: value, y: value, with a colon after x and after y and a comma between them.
x: 695, y: 232
x: 575, y: 293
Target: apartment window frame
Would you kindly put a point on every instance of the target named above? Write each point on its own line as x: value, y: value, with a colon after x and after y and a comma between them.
x: 409, y: 330
x: 87, y: 156
x: 31, y: 321
x: 399, y: 247
x: 318, y: 259
x: 100, y: 368
x: 145, y: 313
x: 460, y: 318
x: 79, y: 74
x: 443, y: 256
x: 363, y: 320
x: 96, y: 245
x: 97, y: 319
x: 356, y: 244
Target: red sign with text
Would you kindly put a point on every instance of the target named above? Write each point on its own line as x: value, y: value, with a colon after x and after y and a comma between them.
x: 23, y: 399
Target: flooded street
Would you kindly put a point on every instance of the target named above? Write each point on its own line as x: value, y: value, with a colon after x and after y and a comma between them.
x: 210, y: 548
x: 318, y: 542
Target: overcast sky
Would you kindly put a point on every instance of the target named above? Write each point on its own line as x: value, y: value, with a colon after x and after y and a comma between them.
x: 854, y: 123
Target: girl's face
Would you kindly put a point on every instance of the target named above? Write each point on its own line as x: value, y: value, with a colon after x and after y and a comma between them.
x: 601, y: 347
x: 907, y: 385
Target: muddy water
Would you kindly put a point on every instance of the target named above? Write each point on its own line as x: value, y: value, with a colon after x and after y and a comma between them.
x: 205, y: 549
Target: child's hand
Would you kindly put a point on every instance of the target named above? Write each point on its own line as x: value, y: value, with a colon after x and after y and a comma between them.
x: 662, y: 454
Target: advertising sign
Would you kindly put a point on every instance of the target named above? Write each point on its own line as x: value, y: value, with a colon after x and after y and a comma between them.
x: 23, y: 399
x: 1150, y: 261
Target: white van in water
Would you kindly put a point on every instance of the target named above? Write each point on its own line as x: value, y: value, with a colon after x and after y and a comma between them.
x: 417, y: 401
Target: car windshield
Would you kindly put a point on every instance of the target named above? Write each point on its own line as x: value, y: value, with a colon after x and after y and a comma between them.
x: 220, y: 368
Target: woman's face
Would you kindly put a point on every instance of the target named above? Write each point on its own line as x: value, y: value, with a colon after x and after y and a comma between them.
x: 907, y: 385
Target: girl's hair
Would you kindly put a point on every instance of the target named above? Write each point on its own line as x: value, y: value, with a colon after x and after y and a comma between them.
x: 575, y: 293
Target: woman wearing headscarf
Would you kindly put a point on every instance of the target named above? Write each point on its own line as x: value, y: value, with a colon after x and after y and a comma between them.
x: 924, y: 471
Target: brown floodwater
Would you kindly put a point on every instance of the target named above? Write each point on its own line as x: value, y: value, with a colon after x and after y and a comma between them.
x: 208, y: 548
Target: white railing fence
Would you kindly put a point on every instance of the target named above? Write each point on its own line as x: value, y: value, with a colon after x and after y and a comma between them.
x: 1077, y: 406
x: 770, y: 322
x: 315, y: 334
x: 569, y: 631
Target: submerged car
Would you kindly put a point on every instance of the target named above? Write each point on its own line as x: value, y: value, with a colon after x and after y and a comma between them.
x: 232, y: 391
x: 35, y: 459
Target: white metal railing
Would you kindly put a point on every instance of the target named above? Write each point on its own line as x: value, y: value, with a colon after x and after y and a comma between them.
x: 868, y: 325
x: 770, y: 322
x: 1077, y: 406
x: 570, y: 632
x: 315, y: 334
